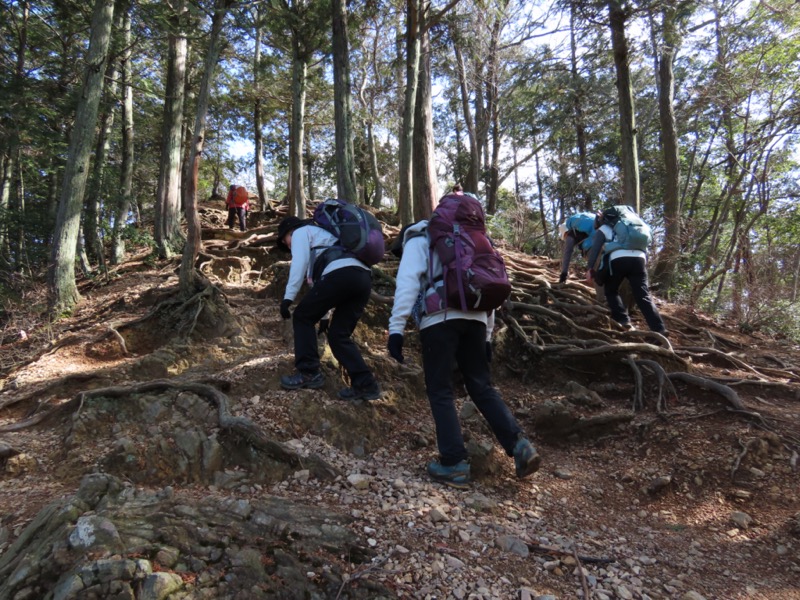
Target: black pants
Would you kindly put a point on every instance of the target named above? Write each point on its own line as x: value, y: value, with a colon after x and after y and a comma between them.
x: 235, y: 212
x: 347, y: 291
x: 635, y: 271
x: 462, y: 342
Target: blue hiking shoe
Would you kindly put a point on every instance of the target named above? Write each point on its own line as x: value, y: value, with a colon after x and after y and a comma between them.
x: 526, y: 458
x: 299, y: 380
x: 456, y: 476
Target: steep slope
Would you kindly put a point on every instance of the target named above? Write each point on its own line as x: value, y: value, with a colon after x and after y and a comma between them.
x: 217, y: 483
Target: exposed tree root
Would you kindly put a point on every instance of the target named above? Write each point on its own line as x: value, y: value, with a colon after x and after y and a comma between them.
x: 238, y: 426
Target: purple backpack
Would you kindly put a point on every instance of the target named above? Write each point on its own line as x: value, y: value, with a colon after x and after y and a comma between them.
x: 474, y: 275
x: 358, y: 231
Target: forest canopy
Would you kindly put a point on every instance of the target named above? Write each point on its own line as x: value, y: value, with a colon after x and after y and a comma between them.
x: 116, y: 117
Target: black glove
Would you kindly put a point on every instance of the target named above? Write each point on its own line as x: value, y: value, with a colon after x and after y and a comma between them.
x: 396, y: 347
x: 285, y: 309
x: 323, y: 326
x: 563, y: 277
x: 488, y: 351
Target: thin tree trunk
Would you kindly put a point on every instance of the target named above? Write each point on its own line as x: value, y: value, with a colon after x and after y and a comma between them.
x: 345, y: 156
x: 577, y: 105
x: 406, y: 199
x: 189, y: 279
x: 91, y: 218
x: 258, y: 135
x: 670, y: 252
x: 126, y: 175
x: 62, y: 289
x: 425, y: 190
x: 8, y: 166
x: 627, y: 121
x: 368, y: 105
x: 377, y: 199
x: 309, y: 162
x: 297, y: 202
x: 20, y: 257
x: 168, y: 235
x: 9, y: 148
x: 492, y: 94
x: 470, y: 182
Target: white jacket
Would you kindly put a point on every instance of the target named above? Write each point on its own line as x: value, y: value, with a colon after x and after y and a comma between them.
x: 412, y: 278
x: 308, y: 242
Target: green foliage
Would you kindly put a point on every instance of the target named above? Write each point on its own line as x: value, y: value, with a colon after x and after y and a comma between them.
x: 138, y: 237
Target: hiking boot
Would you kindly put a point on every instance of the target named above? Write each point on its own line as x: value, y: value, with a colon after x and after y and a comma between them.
x: 353, y: 394
x: 526, y: 458
x: 299, y: 380
x: 456, y: 476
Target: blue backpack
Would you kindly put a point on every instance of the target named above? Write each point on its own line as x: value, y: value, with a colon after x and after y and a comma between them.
x: 582, y: 223
x: 630, y: 232
x: 358, y: 232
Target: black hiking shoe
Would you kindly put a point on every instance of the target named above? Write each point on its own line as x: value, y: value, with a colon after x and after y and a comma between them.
x: 354, y: 394
x: 299, y: 380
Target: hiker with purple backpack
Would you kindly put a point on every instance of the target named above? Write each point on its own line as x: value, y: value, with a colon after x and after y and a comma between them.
x: 450, y: 279
x: 341, y: 282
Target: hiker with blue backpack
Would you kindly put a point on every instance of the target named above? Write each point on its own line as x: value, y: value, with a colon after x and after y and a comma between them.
x: 622, y: 238
x: 450, y: 279
x: 576, y: 231
x: 334, y: 255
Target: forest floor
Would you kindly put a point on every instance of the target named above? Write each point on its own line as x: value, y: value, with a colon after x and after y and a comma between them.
x: 695, y: 501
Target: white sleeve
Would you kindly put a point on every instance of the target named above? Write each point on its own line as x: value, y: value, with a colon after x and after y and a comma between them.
x: 301, y: 254
x: 412, y: 270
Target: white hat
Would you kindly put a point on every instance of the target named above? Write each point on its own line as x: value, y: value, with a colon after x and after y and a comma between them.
x: 562, y: 230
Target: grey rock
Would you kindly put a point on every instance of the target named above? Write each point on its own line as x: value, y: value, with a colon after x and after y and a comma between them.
x: 512, y: 544
x: 159, y: 586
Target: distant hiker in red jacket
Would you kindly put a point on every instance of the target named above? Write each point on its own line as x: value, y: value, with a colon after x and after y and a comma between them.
x: 238, y: 205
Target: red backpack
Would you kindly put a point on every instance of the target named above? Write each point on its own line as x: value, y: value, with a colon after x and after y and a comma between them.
x: 474, y: 275
x: 240, y: 196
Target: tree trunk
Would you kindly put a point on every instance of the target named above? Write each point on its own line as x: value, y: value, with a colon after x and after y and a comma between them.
x: 309, y: 162
x: 91, y: 218
x: 62, y: 289
x: 406, y: 199
x: 670, y: 252
x: 9, y: 148
x: 345, y: 161
x: 377, y: 199
x: 577, y: 105
x: 492, y: 102
x: 19, y: 256
x: 188, y: 275
x: 258, y: 136
x: 627, y: 121
x: 168, y: 235
x: 126, y: 175
x: 297, y: 202
x: 470, y: 182
x: 425, y: 191
x: 8, y: 166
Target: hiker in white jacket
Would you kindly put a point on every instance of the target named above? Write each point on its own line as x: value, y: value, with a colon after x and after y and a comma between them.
x: 342, y: 285
x: 451, y: 337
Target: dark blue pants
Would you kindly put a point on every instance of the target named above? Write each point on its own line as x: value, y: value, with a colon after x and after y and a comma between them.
x: 237, y: 213
x: 635, y: 271
x: 462, y: 342
x: 346, y: 291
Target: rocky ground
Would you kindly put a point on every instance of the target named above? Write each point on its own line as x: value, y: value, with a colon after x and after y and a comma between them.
x: 179, y: 469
